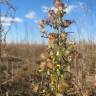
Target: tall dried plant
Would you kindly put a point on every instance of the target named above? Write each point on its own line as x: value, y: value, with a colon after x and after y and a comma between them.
x: 54, y: 74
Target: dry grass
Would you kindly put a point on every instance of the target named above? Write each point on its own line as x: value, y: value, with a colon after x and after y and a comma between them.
x: 86, y: 66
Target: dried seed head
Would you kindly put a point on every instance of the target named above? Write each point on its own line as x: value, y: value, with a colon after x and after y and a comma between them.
x: 41, y: 23
x: 58, y: 3
x: 52, y: 37
x: 42, y: 65
x: 67, y: 23
x: 49, y: 60
x: 60, y: 12
x: 51, y: 15
x: 50, y: 65
x: 64, y: 35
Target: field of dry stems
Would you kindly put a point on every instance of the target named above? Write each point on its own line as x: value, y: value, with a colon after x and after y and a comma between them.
x: 16, y: 79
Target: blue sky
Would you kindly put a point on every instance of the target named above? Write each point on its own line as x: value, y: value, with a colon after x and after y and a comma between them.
x: 29, y: 12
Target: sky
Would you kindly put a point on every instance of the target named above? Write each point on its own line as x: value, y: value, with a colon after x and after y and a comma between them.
x: 29, y: 12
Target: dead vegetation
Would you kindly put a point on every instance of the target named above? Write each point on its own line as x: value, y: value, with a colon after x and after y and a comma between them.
x: 20, y: 64
x: 23, y: 78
